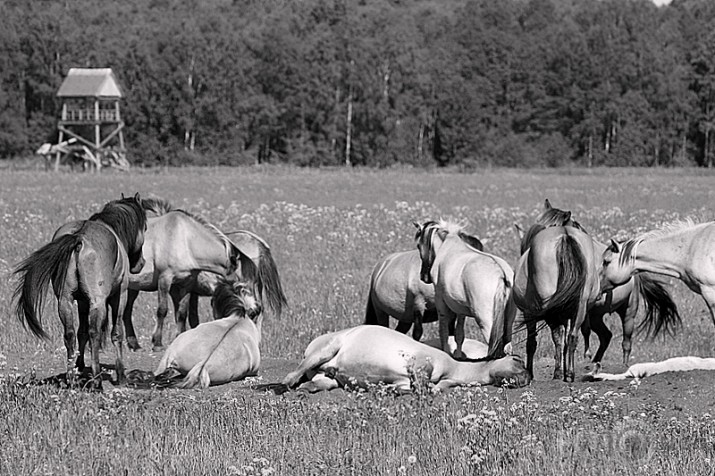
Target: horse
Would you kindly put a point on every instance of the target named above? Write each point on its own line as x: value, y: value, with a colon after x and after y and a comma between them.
x: 182, y: 251
x: 660, y: 310
x: 646, y: 369
x: 90, y: 265
x: 368, y: 354
x: 556, y: 280
x: 219, y: 351
x: 467, y: 282
x: 683, y: 250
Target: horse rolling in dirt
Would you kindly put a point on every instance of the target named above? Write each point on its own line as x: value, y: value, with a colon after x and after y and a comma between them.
x: 90, y: 265
x: 683, y: 250
x: 396, y: 290
x: 374, y: 354
x: 186, y: 256
x: 467, y: 282
x: 556, y: 281
x: 218, y: 351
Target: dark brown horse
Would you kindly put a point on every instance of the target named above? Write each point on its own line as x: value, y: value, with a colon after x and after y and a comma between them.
x: 89, y: 264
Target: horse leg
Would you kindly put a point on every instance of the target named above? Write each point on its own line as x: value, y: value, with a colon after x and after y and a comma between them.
x: 586, y: 333
x: 604, y: 336
x: 163, y: 290
x: 417, y: 330
x: 708, y: 294
x: 193, y: 309
x: 572, y: 341
x: 116, y: 304
x: 82, y: 332
x: 97, y: 316
x: 132, y: 341
x: 444, y: 317
x: 65, y: 311
x: 459, y: 338
x: 628, y: 321
x: 557, y: 335
x: 531, y: 344
x: 180, y: 299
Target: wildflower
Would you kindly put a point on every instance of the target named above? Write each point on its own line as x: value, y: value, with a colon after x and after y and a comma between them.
x: 412, y: 459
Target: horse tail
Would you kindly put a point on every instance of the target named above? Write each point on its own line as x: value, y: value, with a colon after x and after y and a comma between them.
x: 496, y: 338
x: 269, y: 281
x: 571, y: 282
x: 370, y: 313
x: 48, y: 264
x: 661, y: 312
x: 198, y: 376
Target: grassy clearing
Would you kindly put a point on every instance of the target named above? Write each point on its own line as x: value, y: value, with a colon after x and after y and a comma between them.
x: 326, y: 229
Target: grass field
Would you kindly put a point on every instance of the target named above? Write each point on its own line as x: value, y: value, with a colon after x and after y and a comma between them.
x: 326, y: 229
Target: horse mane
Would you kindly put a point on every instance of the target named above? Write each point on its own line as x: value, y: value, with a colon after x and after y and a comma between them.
x: 629, y: 247
x: 227, y: 301
x: 212, y: 228
x: 558, y: 217
x: 158, y: 206
x: 125, y: 216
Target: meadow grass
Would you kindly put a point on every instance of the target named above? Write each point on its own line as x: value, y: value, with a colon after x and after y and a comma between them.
x: 326, y: 229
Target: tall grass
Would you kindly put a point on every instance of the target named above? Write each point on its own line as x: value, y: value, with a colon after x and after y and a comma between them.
x: 326, y: 229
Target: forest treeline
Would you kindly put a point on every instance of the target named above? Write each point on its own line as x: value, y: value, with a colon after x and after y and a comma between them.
x: 375, y: 82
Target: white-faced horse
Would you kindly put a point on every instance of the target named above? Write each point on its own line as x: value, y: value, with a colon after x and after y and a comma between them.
x: 683, y: 250
x: 373, y: 354
x: 556, y: 281
x: 219, y: 351
x: 467, y: 282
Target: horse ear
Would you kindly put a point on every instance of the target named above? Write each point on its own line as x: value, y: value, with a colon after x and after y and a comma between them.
x: 614, y: 246
x: 137, y: 197
x: 417, y: 225
x: 123, y: 197
x: 547, y: 204
x: 567, y: 217
x: 519, y: 231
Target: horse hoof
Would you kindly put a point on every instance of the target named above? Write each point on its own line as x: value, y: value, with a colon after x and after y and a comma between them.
x: 133, y: 344
x: 157, y: 348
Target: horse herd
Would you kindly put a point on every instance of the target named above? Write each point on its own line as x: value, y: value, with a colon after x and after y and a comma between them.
x: 563, y: 278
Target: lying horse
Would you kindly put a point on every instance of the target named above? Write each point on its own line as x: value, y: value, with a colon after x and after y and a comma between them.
x: 219, y: 351
x: 646, y: 369
x: 373, y: 354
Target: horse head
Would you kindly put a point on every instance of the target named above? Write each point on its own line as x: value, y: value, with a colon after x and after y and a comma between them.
x: 509, y: 371
x: 233, y: 297
x: 617, y: 266
x: 424, y: 238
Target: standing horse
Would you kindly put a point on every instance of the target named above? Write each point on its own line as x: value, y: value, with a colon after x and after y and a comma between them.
x: 683, y: 250
x: 467, y: 282
x: 556, y: 281
x: 396, y: 290
x: 90, y: 265
x: 186, y: 256
x: 222, y: 350
x: 373, y: 354
x: 660, y: 310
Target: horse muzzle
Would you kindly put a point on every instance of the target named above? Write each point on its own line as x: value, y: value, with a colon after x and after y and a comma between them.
x: 138, y: 266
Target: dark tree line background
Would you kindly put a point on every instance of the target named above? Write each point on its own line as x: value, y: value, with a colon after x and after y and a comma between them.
x: 375, y: 82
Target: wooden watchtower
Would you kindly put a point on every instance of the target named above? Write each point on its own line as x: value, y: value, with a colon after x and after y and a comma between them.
x: 90, y: 115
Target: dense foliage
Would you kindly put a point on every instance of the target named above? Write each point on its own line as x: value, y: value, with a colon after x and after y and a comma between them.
x: 376, y: 82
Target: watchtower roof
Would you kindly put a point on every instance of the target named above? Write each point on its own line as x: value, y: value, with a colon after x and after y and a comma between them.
x: 90, y: 82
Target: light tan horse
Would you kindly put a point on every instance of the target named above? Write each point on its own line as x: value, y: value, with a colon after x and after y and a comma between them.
x: 467, y: 282
x: 683, y: 250
x: 373, y: 354
x: 646, y: 369
x: 218, y: 351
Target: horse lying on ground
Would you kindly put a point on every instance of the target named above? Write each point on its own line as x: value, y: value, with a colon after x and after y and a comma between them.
x: 219, y: 351
x: 646, y: 369
x: 373, y: 354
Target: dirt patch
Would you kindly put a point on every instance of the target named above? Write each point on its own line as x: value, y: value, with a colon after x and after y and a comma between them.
x: 675, y: 393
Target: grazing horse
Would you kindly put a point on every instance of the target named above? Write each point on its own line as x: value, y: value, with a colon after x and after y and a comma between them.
x: 373, y: 354
x: 646, y: 369
x: 186, y: 256
x: 90, y: 265
x: 467, y: 282
x: 683, y: 250
x: 556, y: 281
x: 222, y: 350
